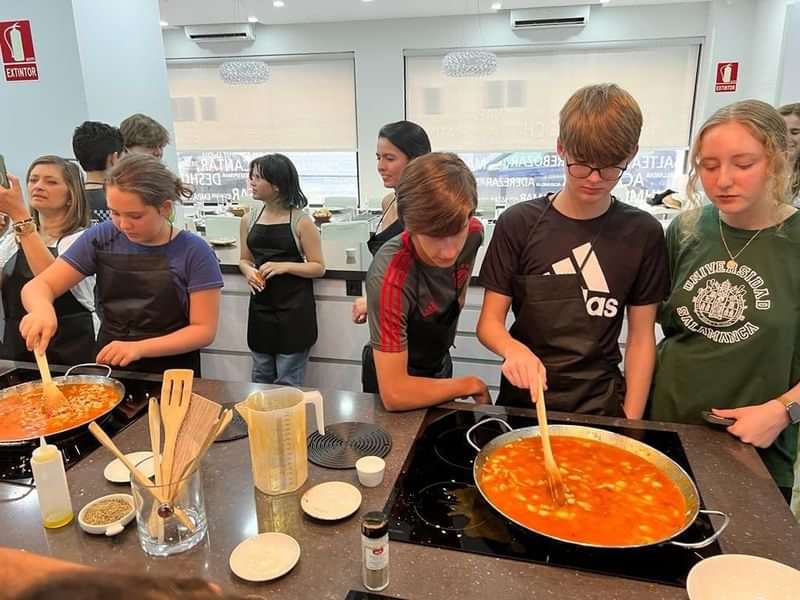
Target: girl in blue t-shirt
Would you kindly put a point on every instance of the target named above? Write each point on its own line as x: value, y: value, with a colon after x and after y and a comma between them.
x: 158, y: 288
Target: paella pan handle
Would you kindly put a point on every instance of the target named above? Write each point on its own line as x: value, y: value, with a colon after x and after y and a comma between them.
x: 711, y: 539
x: 101, y: 365
x: 479, y: 423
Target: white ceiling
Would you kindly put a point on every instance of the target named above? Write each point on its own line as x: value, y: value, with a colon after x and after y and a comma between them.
x: 196, y: 12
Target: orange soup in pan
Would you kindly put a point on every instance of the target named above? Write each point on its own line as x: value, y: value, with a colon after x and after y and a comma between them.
x: 22, y: 416
x: 614, y: 497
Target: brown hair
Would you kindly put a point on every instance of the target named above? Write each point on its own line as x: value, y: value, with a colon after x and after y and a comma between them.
x: 141, y: 130
x: 77, y: 209
x: 787, y: 110
x: 600, y: 124
x: 766, y: 125
x: 148, y: 178
x: 100, y: 585
x: 436, y: 195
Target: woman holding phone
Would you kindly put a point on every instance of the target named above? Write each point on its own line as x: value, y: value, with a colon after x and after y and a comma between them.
x: 57, y: 217
x: 159, y: 287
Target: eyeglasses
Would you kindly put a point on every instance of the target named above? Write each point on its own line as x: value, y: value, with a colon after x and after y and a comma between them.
x: 582, y: 171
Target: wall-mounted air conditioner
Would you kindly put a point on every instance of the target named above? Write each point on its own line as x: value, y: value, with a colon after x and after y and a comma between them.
x: 561, y: 16
x: 225, y: 32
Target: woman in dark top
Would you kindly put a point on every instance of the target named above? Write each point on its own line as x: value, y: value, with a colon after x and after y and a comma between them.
x: 398, y: 144
x: 281, y: 253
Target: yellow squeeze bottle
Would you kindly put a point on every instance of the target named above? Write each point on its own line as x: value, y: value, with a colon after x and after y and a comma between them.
x: 55, y: 503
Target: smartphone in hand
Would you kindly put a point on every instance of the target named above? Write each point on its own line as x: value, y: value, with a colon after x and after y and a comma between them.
x: 3, y: 174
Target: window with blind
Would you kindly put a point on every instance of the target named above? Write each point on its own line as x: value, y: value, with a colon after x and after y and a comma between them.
x: 505, y: 126
x: 306, y: 110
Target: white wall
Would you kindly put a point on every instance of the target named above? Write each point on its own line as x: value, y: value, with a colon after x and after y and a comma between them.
x: 38, y: 116
x: 768, y: 49
x: 790, y: 76
x: 122, y: 61
x: 379, y: 47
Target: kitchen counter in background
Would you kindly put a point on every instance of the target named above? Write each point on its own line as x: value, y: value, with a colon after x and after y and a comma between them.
x: 730, y: 477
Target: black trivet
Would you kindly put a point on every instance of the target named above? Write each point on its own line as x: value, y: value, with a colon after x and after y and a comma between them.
x: 344, y: 443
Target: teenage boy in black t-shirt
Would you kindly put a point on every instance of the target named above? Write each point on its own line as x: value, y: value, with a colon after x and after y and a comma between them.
x: 569, y: 265
x: 97, y: 147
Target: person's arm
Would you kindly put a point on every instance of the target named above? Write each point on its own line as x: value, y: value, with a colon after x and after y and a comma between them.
x: 246, y: 261
x: 521, y: 367
x: 310, y: 246
x: 32, y: 244
x: 200, y: 332
x: 40, y: 324
x: 640, y: 358
x: 20, y: 569
x: 760, y: 424
x: 401, y: 391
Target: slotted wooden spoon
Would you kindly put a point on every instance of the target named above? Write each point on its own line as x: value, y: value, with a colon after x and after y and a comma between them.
x: 176, y: 393
x: 554, y: 480
x: 53, y: 397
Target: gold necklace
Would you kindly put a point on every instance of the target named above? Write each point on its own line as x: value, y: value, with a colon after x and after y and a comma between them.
x: 731, y: 264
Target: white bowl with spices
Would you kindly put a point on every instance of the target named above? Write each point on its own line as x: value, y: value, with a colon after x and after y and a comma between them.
x: 107, y: 515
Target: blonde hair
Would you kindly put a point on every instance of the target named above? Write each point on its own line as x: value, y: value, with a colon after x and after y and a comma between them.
x: 600, y: 124
x: 788, y: 110
x: 77, y: 209
x: 436, y: 195
x: 148, y: 178
x: 767, y: 126
x: 141, y: 130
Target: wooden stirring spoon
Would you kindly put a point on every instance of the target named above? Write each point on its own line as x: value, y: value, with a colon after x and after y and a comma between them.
x: 554, y: 480
x: 176, y: 394
x: 53, y: 397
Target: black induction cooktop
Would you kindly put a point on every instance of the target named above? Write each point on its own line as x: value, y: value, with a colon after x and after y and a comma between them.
x: 435, y: 503
x: 76, y: 443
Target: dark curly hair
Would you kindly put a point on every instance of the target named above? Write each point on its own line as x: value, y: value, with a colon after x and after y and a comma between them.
x: 93, y: 142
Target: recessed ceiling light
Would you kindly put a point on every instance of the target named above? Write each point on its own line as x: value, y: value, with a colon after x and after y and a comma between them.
x: 279, y: 4
x: 164, y: 24
x: 496, y: 6
x: 252, y: 19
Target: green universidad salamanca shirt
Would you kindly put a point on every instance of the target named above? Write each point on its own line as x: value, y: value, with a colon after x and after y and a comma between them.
x: 731, y: 334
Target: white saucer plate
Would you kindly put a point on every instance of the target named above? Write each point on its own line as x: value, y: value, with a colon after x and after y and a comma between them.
x: 265, y: 556
x: 742, y: 577
x: 116, y: 472
x: 331, y: 501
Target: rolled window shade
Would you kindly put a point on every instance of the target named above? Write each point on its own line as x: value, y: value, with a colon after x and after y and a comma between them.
x: 520, y: 111
x: 306, y: 105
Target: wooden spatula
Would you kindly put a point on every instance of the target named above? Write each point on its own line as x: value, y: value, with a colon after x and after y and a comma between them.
x: 53, y: 397
x: 176, y: 392
x: 199, y: 421
x: 554, y: 480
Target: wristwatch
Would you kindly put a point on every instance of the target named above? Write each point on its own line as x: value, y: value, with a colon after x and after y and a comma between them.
x: 23, y: 228
x: 792, y: 407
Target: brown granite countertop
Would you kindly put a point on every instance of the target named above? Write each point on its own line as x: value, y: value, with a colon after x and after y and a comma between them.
x: 730, y: 477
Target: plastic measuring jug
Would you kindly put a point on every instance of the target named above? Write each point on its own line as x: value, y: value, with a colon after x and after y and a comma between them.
x: 276, y: 426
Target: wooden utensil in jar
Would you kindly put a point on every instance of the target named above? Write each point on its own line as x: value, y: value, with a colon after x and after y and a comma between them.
x: 198, y: 423
x: 53, y: 397
x: 140, y: 478
x: 176, y: 393
x: 554, y: 480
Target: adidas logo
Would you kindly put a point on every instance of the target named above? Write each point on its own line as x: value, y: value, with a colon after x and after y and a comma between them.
x: 583, y: 262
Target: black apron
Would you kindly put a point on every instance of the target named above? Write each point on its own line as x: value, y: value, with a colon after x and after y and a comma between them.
x: 140, y: 301
x: 379, y: 238
x: 429, y: 342
x: 283, y: 316
x: 554, y: 324
x: 73, y: 342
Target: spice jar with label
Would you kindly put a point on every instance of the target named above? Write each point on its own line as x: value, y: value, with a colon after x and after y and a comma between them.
x: 375, y: 551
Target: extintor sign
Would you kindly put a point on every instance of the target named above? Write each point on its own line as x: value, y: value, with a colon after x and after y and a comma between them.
x: 19, y: 59
x: 727, y: 76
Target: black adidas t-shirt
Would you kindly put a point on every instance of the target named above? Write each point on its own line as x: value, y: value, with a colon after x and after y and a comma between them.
x: 621, y: 257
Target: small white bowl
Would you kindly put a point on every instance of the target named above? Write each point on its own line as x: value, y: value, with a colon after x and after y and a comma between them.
x: 112, y: 528
x: 370, y: 470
